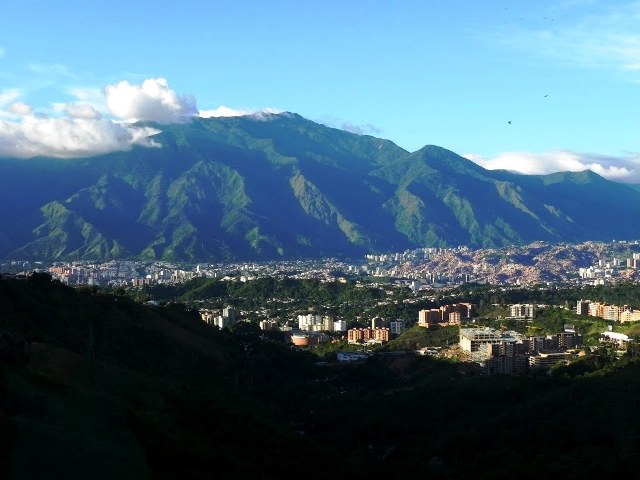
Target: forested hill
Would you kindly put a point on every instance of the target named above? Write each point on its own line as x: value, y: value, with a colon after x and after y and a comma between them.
x: 272, y: 186
x: 94, y: 385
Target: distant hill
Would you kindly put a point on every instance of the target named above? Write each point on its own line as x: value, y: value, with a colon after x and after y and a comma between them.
x: 283, y: 186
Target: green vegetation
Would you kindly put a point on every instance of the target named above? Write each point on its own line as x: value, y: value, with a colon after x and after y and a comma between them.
x: 487, y: 296
x: 419, y: 337
x: 257, y: 292
x: 222, y: 189
x: 95, y: 385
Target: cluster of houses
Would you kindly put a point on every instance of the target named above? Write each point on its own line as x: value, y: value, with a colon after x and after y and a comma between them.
x: 446, y: 315
x: 224, y: 319
x: 377, y: 333
x: 613, y: 313
x: 496, y: 351
x: 510, y: 352
x: 318, y: 323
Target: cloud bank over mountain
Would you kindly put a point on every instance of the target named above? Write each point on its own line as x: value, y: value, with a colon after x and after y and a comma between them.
x: 106, y: 120
x: 620, y: 169
x: 152, y: 100
x: 223, y: 111
x: 97, y: 123
x: 69, y: 137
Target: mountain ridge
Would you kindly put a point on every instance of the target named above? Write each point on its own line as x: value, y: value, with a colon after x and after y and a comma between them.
x: 279, y: 185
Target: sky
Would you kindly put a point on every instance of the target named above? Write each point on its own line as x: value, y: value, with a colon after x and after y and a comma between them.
x: 533, y: 87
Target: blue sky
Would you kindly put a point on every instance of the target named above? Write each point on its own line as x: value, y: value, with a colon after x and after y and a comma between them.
x: 565, y: 74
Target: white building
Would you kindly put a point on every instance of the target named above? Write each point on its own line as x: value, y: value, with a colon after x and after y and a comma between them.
x: 524, y: 310
x: 229, y: 312
x: 614, y: 337
x: 310, y: 322
x: 269, y: 324
x: 377, y: 322
x: 340, y: 326
x: 472, y: 339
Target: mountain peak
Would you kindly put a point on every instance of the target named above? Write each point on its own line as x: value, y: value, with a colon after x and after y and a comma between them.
x: 279, y: 185
x: 442, y: 158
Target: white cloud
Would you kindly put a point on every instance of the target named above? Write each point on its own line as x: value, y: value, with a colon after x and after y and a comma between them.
x: 99, y: 120
x: 20, y: 109
x: 68, y: 138
x: 223, y: 111
x: 82, y: 110
x: 622, y: 169
x: 9, y: 96
x: 90, y: 95
x: 84, y: 130
x: 153, y: 100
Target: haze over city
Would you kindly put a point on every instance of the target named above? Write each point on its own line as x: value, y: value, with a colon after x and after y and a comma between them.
x: 531, y: 87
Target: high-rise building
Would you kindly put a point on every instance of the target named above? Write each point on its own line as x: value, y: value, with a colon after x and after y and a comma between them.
x: 525, y: 310
x: 471, y: 339
x: 582, y: 307
x: 268, y: 324
x: 396, y: 327
x: 327, y: 323
x: 366, y: 335
x: 429, y: 317
x: 340, y: 326
x: 377, y: 322
x: 611, y: 312
x: 230, y: 313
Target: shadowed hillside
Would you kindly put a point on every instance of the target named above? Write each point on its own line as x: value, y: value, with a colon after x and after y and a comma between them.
x: 93, y: 385
x: 98, y: 386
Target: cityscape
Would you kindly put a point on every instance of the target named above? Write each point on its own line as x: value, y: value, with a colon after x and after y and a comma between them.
x: 300, y: 240
x: 420, y: 273
x: 589, y: 263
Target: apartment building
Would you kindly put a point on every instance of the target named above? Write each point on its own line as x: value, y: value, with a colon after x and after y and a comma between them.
x: 472, y: 339
x: 396, y: 327
x: 368, y: 335
x: 612, y: 313
x: 446, y: 315
x: 522, y: 310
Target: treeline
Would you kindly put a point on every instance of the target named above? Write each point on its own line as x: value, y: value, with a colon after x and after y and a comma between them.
x: 419, y: 337
x: 262, y: 289
x: 625, y: 293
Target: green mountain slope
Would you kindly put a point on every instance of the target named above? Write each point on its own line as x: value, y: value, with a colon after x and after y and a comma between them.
x: 260, y: 187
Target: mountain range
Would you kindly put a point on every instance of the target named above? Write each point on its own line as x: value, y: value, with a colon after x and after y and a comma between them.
x: 272, y: 186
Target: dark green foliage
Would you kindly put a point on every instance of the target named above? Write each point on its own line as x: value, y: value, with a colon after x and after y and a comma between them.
x: 96, y: 385
x: 625, y: 293
x: 419, y: 337
x: 262, y: 289
x: 106, y: 388
x: 243, y: 188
